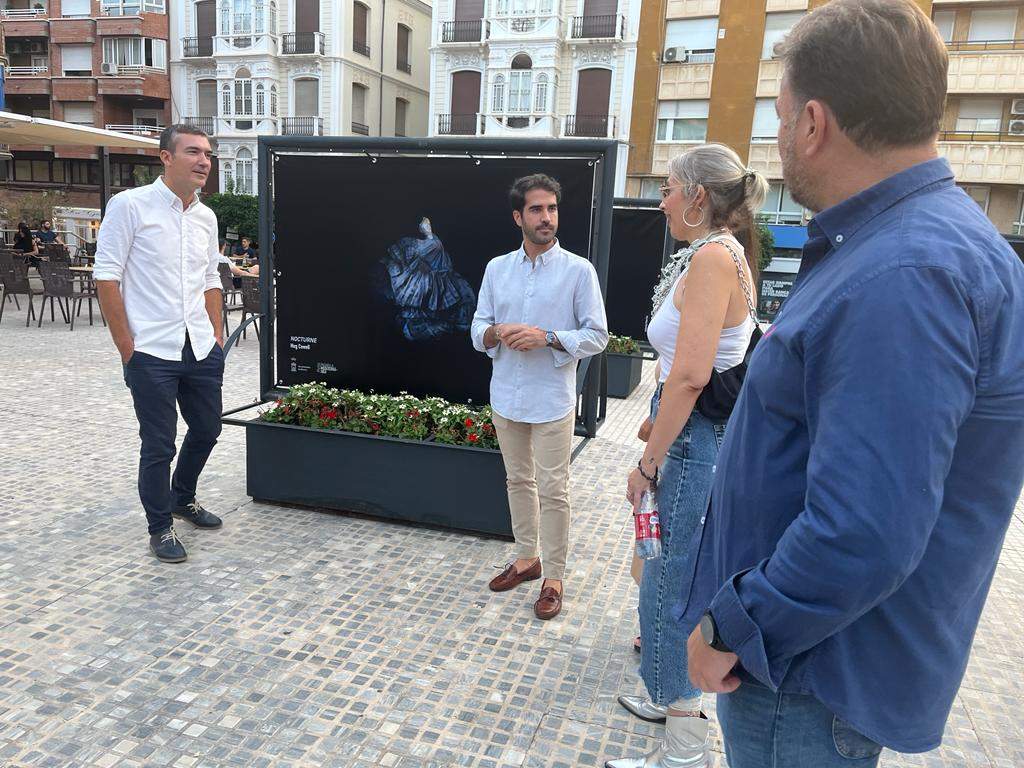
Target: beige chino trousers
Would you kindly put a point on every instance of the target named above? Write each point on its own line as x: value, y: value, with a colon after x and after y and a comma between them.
x: 537, y: 465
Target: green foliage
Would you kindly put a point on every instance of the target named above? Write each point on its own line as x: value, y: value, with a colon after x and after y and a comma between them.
x: 30, y: 207
x: 321, y: 407
x: 239, y: 212
x: 622, y: 345
x: 767, y: 246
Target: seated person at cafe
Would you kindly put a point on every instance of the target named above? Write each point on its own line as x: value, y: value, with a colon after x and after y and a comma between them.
x: 244, y: 250
x: 45, y: 234
x: 24, y: 242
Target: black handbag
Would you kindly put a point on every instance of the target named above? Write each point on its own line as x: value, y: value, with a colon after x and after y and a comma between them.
x: 719, y: 395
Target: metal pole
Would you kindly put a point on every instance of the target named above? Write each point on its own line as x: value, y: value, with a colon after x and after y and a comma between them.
x: 104, y: 162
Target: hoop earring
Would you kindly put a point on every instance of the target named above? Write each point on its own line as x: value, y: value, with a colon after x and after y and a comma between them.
x: 693, y: 226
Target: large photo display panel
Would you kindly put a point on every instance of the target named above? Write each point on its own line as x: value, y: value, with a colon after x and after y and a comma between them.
x: 639, y: 245
x: 379, y: 264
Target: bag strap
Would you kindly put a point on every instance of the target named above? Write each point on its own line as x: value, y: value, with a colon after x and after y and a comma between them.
x: 747, y: 294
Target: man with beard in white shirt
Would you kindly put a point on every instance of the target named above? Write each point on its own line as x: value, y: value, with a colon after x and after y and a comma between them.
x: 156, y: 275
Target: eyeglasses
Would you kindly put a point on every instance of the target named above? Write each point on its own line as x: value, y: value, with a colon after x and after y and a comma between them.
x: 666, y: 189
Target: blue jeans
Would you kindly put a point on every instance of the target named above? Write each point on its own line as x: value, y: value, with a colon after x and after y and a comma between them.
x: 156, y: 385
x: 788, y: 730
x: 684, y: 490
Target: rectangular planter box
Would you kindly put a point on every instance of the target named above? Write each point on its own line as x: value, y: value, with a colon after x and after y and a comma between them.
x: 623, y: 374
x: 421, y: 482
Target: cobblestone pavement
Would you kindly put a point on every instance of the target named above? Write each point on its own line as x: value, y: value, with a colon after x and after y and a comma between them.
x: 302, y: 638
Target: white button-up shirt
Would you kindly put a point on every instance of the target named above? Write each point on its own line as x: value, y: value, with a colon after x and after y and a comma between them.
x: 165, y: 259
x: 558, y: 292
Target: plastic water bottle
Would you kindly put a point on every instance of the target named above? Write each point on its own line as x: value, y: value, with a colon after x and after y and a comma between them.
x: 648, y: 528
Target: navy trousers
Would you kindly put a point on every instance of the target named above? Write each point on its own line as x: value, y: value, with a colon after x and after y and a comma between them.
x: 157, y: 387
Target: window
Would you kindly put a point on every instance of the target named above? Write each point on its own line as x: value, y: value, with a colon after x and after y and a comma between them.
x: 779, y: 207
x: 206, y: 98
x: 979, y: 195
x: 273, y: 101
x: 273, y: 18
x: 520, y: 84
x: 225, y: 103
x: 682, y: 120
x: 243, y: 172
x: 76, y: 60
x: 241, y: 17
x: 989, y: 26
x: 401, y: 108
x: 540, y: 98
x: 307, y: 98
x: 150, y: 117
x: 78, y: 112
x: 766, y: 121
x: 243, y: 93
x: 229, y: 177
x: 135, y: 52
x: 360, y: 28
x: 261, y: 100
x: 498, y: 94
x: 403, y: 48
x: 944, y: 21
x: 984, y: 115
x: 75, y: 8
x: 358, y: 104
x: 776, y: 27
x: 699, y: 36
x: 650, y: 189
x: 130, y: 7
x: 1018, y: 225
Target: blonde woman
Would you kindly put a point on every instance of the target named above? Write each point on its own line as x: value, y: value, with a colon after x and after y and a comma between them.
x: 703, y: 320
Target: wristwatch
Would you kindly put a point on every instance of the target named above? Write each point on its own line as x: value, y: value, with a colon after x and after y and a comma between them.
x: 709, y: 631
x: 550, y: 338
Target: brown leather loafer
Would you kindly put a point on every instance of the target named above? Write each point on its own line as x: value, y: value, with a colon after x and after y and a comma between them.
x: 510, y: 578
x: 549, y: 604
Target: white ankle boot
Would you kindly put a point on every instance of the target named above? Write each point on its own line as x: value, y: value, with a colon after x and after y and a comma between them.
x: 685, y: 745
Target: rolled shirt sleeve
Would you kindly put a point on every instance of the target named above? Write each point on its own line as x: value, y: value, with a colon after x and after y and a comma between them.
x: 891, y: 381
x: 212, y: 274
x: 114, y: 240
x: 591, y: 335
x: 483, y: 318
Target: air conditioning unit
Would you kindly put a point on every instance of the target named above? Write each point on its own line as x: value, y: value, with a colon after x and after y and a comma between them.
x: 675, y: 54
x: 1017, y: 108
x: 1017, y: 127
x: 108, y: 68
x: 36, y: 48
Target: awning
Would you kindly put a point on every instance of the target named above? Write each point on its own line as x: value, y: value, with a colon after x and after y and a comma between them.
x: 21, y: 129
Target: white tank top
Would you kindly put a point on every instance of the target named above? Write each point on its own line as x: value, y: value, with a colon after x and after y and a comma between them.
x: 663, y: 331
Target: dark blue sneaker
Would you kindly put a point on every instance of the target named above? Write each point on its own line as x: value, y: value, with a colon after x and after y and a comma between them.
x: 194, y: 513
x: 167, y: 548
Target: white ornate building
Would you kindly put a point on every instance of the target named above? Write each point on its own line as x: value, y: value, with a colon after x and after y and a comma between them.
x: 534, y: 68
x: 245, y: 68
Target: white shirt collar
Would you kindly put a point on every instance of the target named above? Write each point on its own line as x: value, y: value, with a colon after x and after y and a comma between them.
x: 544, y: 257
x: 168, y: 194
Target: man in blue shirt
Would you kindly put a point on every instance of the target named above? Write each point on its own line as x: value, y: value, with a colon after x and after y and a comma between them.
x: 872, y: 463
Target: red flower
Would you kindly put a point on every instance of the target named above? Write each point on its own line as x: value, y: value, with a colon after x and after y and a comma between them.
x: 469, y: 422
x: 374, y: 426
x: 472, y: 438
x: 413, y: 413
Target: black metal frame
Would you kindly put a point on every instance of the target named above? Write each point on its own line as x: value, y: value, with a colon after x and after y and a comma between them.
x: 593, y: 406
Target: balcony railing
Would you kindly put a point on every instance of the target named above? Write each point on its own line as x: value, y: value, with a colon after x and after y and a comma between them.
x: 987, y: 136
x: 594, y: 126
x: 463, y: 31
x: 129, y: 70
x: 137, y: 130
x: 296, y: 43
x: 588, y: 27
x: 1018, y: 228
x: 361, y: 128
x: 23, y: 14
x: 193, y: 47
x: 27, y: 71
x: 360, y: 46
x: 304, y: 126
x: 204, y: 124
x: 780, y: 217
x: 404, y: 66
x: 459, y: 125
x: 959, y: 46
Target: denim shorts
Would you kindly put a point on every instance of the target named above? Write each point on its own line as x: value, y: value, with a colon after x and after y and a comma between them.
x: 684, y: 490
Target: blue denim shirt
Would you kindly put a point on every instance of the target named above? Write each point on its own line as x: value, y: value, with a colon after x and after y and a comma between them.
x: 872, y: 463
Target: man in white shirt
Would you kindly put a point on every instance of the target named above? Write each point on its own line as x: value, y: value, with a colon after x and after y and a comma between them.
x: 539, y: 312
x: 156, y: 274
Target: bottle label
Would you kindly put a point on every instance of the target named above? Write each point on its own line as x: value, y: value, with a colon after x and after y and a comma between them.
x: 647, y: 525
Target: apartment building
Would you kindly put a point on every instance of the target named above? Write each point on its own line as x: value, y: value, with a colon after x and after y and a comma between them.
x: 245, y: 68
x: 708, y: 73
x: 535, y: 68
x: 101, y: 63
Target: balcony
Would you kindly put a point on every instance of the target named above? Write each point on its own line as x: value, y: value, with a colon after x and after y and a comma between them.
x: 361, y: 128
x: 590, y: 126
x: 984, y: 158
x: 974, y: 70
x: 518, y: 27
x: 136, y: 130
x: 303, y: 43
x: 43, y: 71
x: 685, y: 81
x: 22, y: 11
x: 361, y: 47
x: 404, y: 66
x: 604, y: 27
x: 766, y: 159
x: 132, y: 80
x: 521, y: 124
x: 305, y: 126
x: 204, y: 124
x: 131, y: 7
x: 459, y: 125
x: 474, y: 31
x: 196, y: 47
x: 769, y: 78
